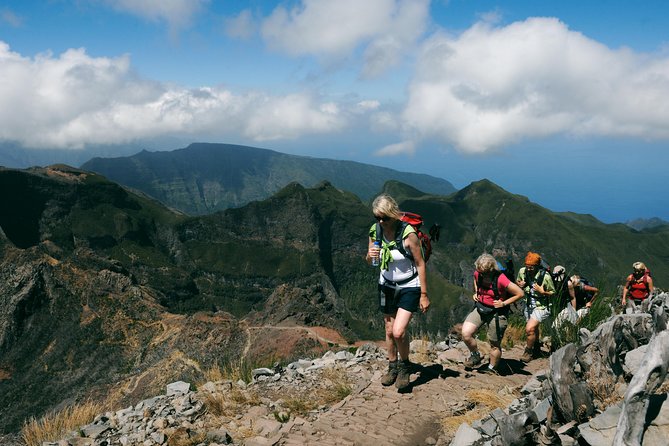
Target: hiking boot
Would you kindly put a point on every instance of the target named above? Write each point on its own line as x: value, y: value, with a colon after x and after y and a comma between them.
x: 527, y: 355
x: 391, y: 375
x: 489, y: 371
x: 473, y: 360
x: 403, y: 374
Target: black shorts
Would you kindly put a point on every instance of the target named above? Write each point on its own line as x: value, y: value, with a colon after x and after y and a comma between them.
x: 405, y: 298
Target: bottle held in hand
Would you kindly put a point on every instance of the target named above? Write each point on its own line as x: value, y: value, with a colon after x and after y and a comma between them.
x: 375, y: 259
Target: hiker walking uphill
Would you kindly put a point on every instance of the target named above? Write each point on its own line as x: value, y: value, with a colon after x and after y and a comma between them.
x: 538, y: 286
x: 493, y: 293
x: 402, y: 283
x: 582, y: 294
x: 638, y: 286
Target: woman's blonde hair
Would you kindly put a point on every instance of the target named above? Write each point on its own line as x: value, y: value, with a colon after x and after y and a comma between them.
x: 386, y: 205
x: 486, y: 263
x: 639, y: 266
x: 575, y: 280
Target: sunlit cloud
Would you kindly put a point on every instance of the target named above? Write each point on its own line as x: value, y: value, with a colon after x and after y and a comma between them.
x: 401, y: 148
x: 73, y: 100
x: 242, y: 26
x: 385, y: 29
x: 178, y: 14
x: 494, y: 86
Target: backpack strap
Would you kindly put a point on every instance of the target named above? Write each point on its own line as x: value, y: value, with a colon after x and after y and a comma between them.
x: 399, y: 240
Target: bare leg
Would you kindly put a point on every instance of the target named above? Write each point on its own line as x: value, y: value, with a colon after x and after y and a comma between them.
x: 495, y: 353
x: 402, y: 319
x: 468, y: 331
x: 390, y: 340
x: 532, y: 332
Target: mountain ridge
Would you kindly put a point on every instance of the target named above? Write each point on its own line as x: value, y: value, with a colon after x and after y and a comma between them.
x: 206, y: 177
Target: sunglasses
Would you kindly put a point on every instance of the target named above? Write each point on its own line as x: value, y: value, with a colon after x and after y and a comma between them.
x: 382, y: 218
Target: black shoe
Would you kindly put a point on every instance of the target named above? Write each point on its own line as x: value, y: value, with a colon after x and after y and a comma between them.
x: 403, y: 375
x: 473, y: 360
x: 489, y: 371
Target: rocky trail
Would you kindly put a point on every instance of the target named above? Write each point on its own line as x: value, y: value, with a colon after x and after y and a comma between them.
x: 374, y: 414
x: 369, y: 414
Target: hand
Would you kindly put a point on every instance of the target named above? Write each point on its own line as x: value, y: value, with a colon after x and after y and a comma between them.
x: 538, y: 288
x: 374, y: 252
x: 424, y: 303
x: 521, y: 283
x: 475, y: 297
x: 498, y: 303
x: 588, y: 305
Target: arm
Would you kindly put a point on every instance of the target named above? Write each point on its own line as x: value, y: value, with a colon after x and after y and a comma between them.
x: 572, y: 294
x: 625, y: 290
x: 515, y: 293
x: 476, y: 287
x: 520, y: 280
x: 546, y: 288
x: 413, y: 244
x: 593, y: 291
x: 650, y: 285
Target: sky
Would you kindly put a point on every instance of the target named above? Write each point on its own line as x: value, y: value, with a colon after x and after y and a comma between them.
x: 565, y: 102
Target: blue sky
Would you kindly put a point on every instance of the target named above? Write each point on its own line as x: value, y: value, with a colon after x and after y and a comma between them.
x: 565, y: 102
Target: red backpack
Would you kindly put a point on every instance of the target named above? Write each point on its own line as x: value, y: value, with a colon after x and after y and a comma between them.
x: 416, y: 221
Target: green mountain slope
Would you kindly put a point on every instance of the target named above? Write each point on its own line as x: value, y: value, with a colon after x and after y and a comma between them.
x: 99, y: 285
x: 204, y: 178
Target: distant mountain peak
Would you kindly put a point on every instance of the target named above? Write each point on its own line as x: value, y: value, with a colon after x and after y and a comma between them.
x: 207, y: 177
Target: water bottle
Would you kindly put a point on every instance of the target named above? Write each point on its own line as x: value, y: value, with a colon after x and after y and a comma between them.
x: 375, y: 260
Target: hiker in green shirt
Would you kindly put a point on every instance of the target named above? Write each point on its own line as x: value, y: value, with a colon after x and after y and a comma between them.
x: 538, y: 286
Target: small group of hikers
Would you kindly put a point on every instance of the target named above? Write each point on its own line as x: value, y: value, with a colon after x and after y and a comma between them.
x: 402, y: 285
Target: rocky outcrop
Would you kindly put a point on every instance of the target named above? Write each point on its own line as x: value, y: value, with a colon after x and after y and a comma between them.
x: 607, y: 391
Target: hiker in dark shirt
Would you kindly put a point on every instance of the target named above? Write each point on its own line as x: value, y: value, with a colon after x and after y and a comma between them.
x: 435, y: 229
x: 582, y: 294
x: 493, y: 293
x: 402, y: 284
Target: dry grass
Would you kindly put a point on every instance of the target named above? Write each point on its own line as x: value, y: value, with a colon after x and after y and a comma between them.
x: 422, y: 353
x: 339, y: 385
x: 183, y: 437
x: 56, y: 425
x: 230, y: 403
x: 513, y: 335
x: 336, y: 386
x: 604, y: 388
x: 484, y: 401
x: 214, y: 374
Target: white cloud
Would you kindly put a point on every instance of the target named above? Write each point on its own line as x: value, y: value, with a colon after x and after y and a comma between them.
x: 335, y: 29
x: 400, y: 148
x: 241, y: 26
x: 493, y: 86
x: 75, y: 100
x: 178, y: 14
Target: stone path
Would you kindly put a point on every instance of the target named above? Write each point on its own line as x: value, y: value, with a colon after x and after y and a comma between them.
x: 377, y: 415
